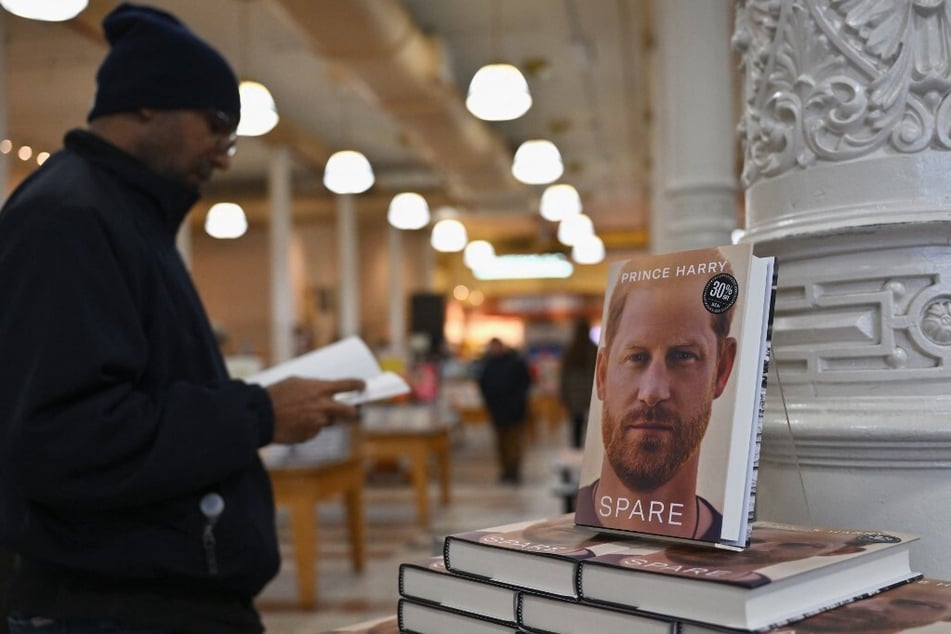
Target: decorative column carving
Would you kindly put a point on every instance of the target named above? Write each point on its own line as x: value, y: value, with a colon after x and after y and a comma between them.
x: 846, y: 131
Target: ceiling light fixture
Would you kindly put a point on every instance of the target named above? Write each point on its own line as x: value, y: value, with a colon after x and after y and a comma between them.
x: 537, y: 162
x: 588, y: 250
x: 574, y: 228
x: 498, y: 92
x: 408, y: 210
x: 45, y: 10
x: 477, y: 253
x: 226, y: 221
x: 348, y: 172
x: 449, y: 236
x: 258, y: 110
x: 559, y: 201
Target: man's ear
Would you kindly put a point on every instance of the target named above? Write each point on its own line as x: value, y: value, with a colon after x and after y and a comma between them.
x: 725, y: 365
x: 600, y: 372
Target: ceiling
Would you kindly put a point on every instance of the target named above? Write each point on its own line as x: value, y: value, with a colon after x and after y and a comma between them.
x: 388, y: 78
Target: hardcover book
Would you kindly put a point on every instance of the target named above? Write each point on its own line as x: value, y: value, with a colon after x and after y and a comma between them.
x: 429, y: 581
x: 677, y: 400
x: 425, y: 618
x: 787, y: 573
x: 540, y: 555
x: 546, y: 614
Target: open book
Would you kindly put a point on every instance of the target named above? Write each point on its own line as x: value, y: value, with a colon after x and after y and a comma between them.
x: 349, y: 358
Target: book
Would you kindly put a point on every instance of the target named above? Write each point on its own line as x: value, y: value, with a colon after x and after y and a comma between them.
x: 539, y: 613
x: 788, y: 572
x: 922, y: 607
x: 538, y: 554
x: 428, y: 580
x: 425, y: 618
x: 348, y: 358
x: 678, y: 396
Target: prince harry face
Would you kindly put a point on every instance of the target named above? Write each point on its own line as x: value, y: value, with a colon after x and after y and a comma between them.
x: 657, y: 376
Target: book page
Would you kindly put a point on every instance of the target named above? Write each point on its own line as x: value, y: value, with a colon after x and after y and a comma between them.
x: 349, y: 358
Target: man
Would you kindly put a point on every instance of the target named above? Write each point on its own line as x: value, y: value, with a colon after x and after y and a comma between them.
x: 664, y: 359
x: 130, y: 484
x: 504, y: 381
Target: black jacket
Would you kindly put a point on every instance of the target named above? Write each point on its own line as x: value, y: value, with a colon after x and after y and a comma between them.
x: 116, y: 411
x: 504, y: 381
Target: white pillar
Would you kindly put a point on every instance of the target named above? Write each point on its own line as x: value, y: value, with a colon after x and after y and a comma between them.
x: 846, y: 140
x: 349, y: 317
x: 695, y: 190
x: 397, y: 305
x: 282, y: 292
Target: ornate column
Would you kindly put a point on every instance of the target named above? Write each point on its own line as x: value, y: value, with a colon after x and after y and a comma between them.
x: 694, y: 201
x: 847, y: 130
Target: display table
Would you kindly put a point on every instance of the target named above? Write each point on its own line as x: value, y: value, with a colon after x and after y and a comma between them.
x: 414, y: 434
x: 299, y: 487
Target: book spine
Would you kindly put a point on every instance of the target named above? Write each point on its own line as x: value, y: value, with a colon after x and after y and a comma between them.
x: 761, y: 408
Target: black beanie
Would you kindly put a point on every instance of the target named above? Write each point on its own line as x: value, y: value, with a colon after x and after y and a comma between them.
x: 155, y: 61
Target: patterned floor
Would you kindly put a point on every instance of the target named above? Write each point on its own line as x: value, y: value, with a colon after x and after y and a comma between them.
x: 345, y: 597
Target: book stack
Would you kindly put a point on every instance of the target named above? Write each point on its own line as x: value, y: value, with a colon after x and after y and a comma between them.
x: 662, y: 539
x: 550, y: 575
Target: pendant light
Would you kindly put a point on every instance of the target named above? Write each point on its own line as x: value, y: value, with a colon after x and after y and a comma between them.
x: 537, y: 162
x: 449, y: 235
x: 226, y: 221
x: 258, y: 109
x: 574, y: 228
x: 478, y: 253
x: 45, y: 10
x: 348, y: 172
x: 408, y: 210
x: 588, y: 250
x: 498, y: 91
x: 559, y: 201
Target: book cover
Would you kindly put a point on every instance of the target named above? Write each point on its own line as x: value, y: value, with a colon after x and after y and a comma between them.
x: 548, y: 615
x: 923, y: 606
x: 675, y: 420
x: 786, y: 573
x: 428, y: 580
x: 349, y: 358
x: 540, y: 555
x: 426, y: 618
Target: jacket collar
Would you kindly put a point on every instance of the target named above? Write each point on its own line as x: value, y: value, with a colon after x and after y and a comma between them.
x: 173, y: 199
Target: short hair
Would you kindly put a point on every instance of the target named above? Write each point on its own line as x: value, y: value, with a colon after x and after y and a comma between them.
x: 719, y: 322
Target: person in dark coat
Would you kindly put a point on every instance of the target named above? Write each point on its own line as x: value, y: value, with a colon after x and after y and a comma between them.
x: 504, y: 382
x: 576, y: 379
x: 131, y: 489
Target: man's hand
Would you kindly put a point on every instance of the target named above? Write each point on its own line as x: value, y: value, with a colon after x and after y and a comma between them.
x: 302, y: 407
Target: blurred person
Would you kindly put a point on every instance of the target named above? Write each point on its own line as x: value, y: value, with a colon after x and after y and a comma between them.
x: 577, y: 375
x: 504, y: 382
x: 131, y: 488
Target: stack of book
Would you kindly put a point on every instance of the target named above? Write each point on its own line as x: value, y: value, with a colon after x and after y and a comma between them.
x: 552, y: 576
x: 662, y: 539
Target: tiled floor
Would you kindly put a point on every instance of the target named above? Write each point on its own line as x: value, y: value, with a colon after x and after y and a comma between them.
x: 345, y: 597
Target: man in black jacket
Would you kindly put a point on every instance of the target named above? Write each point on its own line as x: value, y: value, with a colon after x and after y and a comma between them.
x: 504, y: 381
x: 130, y: 484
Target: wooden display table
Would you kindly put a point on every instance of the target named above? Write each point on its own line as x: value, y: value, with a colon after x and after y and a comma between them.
x: 414, y: 434
x: 299, y: 488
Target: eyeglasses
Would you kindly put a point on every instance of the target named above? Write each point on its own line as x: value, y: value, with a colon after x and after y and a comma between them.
x: 223, y: 125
